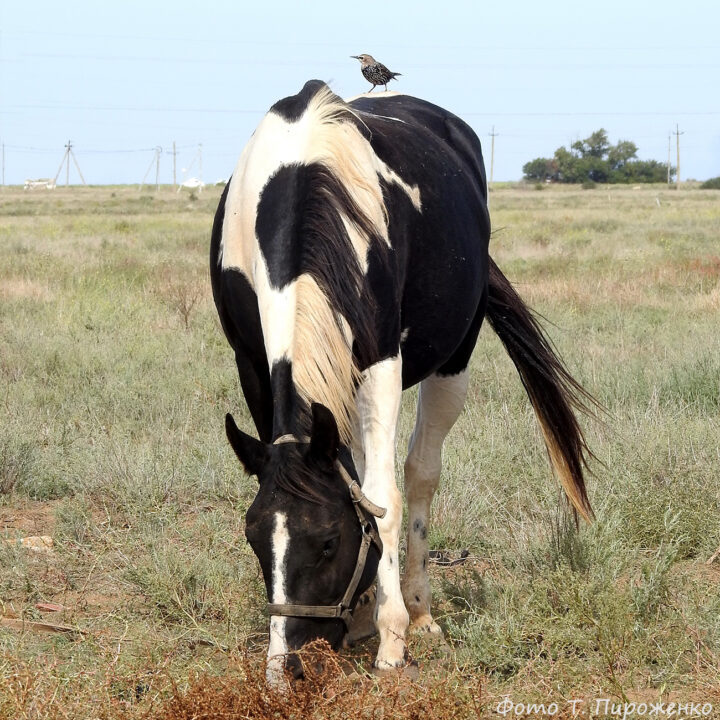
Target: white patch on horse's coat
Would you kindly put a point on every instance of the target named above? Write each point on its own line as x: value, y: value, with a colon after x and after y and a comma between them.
x: 378, y: 408
x: 412, y: 191
x: 440, y: 402
x: 277, y: 314
x: 382, y: 117
x: 278, y: 649
x: 280, y: 543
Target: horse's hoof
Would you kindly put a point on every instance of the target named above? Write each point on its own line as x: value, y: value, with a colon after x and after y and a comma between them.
x: 425, y: 627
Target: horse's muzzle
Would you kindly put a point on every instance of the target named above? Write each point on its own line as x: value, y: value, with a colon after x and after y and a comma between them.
x: 293, y: 664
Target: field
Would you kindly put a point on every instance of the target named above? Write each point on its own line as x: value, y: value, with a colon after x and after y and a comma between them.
x: 114, y: 381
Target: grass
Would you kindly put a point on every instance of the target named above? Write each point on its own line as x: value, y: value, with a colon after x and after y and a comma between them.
x: 115, y: 379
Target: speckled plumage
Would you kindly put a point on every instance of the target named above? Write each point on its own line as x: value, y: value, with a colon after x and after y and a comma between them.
x: 375, y: 72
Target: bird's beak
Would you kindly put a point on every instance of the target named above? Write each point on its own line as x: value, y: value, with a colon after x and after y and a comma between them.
x: 357, y: 57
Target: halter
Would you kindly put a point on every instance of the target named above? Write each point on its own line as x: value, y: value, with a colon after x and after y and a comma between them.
x: 342, y: 609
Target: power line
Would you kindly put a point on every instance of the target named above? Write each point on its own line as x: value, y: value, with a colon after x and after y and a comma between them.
x: 244, y: 111
x: 274, y: 62
x: 233, y: 40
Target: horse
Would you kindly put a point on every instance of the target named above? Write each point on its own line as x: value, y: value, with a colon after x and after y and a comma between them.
x: 349, y: 261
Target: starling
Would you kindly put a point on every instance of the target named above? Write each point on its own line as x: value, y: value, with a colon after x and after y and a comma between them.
x: 375, y: 72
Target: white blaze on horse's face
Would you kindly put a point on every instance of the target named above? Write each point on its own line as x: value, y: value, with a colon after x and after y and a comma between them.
x: 278, y: 649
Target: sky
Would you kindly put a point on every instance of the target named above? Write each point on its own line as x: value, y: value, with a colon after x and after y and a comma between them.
x: 121, y: 79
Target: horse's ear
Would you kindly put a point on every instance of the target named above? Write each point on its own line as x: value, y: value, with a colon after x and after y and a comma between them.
x: 324, y: 439
x: 252, y: 453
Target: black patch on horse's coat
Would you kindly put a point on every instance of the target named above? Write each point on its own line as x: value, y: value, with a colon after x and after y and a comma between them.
x: 237, y: 308
x: 461, y: 357
x: 241, y: 321
x: 380, y: 292
x: 279, y: 221
x: 291, y: 412
x: 441, y: 252
x: 292, y: 108
x: 419, y: 527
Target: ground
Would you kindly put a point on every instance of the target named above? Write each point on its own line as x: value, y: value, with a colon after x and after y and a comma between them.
x: 115, y: 381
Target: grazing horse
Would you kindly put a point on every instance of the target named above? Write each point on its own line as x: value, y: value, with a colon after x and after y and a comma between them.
x: 349, y: 261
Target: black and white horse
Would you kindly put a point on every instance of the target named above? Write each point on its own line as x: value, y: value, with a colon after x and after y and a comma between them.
x: 349, y: 261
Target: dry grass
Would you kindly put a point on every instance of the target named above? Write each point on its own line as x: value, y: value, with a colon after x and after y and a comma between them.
x: 115, y: 377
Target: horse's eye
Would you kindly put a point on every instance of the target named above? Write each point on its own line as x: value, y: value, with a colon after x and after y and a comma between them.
x: 330, y: 546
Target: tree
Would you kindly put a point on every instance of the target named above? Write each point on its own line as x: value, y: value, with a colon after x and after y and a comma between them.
x: 622, y: 153
x: 595, y: 159
x: 597, y: 145
x: 540, y: 170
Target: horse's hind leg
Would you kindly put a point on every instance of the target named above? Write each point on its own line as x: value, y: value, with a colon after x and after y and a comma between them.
x: 440, y: 402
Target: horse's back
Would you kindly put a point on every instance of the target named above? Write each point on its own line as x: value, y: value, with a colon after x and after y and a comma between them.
x: 441, y: 245
x: 425, y: 271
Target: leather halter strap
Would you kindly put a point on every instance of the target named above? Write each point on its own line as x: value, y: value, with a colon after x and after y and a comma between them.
x: 341, y: 610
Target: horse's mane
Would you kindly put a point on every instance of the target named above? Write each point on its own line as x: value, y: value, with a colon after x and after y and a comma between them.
x: 343, y: 214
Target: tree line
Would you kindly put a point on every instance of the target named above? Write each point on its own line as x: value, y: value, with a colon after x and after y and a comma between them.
x: 594, y: 159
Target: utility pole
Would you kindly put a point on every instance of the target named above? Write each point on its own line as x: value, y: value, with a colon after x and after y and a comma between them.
x: 155, y: 161
x: 200, y: 161
x: 493, y: 134
x: 174, y: 154
x: 3, y: 164
x: 158, y: 150
x: 668, y: 168
x: 66, y: 161
x: 677, y: 133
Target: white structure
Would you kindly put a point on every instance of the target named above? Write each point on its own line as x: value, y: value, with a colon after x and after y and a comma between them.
x: 46, y: 183
x: 192, y: 183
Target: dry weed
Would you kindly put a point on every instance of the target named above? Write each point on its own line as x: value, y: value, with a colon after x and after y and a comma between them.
x: 326, y: 692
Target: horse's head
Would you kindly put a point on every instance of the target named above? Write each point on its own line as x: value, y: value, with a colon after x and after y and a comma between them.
x: 313, y: 532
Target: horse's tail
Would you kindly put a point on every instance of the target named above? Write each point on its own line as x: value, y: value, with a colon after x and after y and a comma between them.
x: 553, y: 392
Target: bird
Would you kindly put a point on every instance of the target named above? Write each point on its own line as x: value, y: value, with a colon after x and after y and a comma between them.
x: 375, y: 72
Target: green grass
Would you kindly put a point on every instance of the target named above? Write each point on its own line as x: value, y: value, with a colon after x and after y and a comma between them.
x: 115, y: 377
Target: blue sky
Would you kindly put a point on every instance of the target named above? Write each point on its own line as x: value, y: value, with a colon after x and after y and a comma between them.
x: 120, y: 79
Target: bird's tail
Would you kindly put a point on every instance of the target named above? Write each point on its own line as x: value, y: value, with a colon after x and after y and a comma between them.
x: 394, y: 75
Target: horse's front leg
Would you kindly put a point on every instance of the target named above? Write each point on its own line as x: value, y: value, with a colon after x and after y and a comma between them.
x: 378, y: 408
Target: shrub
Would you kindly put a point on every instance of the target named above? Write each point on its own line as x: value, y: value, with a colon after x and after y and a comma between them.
x: 711, y: 184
